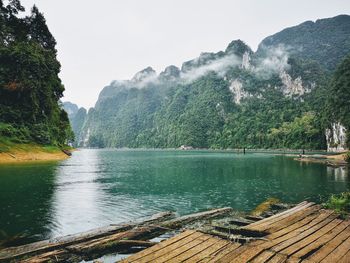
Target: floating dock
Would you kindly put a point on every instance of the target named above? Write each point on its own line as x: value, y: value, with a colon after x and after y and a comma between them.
x: 305, y: 233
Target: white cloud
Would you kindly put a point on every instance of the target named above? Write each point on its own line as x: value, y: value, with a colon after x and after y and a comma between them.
x: 275, y: 61
x: 220, y: 66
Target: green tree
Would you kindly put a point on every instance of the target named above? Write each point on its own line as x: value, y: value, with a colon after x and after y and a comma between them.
x: 30, y: 87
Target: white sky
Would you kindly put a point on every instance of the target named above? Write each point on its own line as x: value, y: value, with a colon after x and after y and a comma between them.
x: 100, y: 41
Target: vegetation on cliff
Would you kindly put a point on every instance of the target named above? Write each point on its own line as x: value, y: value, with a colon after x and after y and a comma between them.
x: 273, y: 98
x: 338, y: 104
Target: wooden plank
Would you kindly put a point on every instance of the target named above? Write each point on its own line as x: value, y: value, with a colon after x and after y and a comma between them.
x: 304, y: 234
x: 161, y: 245
x: 322, y: 240
x: 279, y: 214
x: 276, y: 217
x: 167, y: 249
x: 209, y: 251
x: 321, y: 217
x: 296, y: 217
x: 306, y: 240
x: 215, y: 257
x: 345, y: 258
x: 274, y: 242
x: 193, y: 251
x: 339, y: 252
x: 181, y: 249
x: 235, y: 253
x: 278, y: 258
x: 263, y: 257
x: 263, y: 226
x: 293, y: 260
x: 330, y: 246
x: 250, y: 253
x: 292, y: 227
x: 314, y: 223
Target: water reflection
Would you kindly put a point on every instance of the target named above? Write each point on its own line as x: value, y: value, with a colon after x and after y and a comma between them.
x: 99, y: 187
x: 26, y: 201
x: 77, y: 195
x: 338, y: 174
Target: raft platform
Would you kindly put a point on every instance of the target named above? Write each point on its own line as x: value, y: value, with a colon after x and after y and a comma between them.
x: 304, y: 233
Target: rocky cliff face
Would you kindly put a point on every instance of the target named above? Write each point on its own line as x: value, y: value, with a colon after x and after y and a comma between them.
x: 70, y: 108
x: 238, y: 92
x: 292, y: 87
x: 336, y: 138
x: 77, y: 117
x: 228, y: 98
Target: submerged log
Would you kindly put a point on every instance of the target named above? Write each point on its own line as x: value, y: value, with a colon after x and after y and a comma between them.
x: 178, y: 222
x: 115, y: 243
x: 98, y: 242
x: 13, y: 253
x: 67, y: 152
x: 240, y: 221
x: 254, y: 218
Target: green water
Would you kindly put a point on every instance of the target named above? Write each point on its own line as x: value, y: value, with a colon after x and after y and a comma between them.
x: 99, y: 187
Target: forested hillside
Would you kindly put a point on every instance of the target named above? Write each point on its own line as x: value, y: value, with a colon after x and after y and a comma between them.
x: 30, y: 88
x: 276, y: 97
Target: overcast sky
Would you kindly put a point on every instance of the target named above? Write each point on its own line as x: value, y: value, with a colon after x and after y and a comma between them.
x: 100, y: 41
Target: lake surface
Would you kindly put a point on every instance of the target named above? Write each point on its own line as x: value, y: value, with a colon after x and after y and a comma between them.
x: 99, y: 187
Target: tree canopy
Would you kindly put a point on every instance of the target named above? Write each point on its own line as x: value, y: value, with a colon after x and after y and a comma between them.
x: 30, y: 87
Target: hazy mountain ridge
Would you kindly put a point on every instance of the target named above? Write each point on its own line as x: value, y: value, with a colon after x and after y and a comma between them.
x: 325, y: 40
x: 229, y: 99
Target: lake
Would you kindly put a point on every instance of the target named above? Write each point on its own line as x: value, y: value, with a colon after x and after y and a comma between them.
x: 98, y: 187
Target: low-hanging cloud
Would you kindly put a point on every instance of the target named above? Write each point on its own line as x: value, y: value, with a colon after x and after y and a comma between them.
x: 274, y: 61
x: 219, y: 66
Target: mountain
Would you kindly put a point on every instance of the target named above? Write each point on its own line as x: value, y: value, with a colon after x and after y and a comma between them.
x: 76, y: 116
x: 70, y: 108
x: 272, y: 98
x: 325, y: 41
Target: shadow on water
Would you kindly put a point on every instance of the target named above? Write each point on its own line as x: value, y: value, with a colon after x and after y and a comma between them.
x: 25, y: 202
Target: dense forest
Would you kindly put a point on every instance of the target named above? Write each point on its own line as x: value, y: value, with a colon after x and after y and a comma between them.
x: 287, y: 94
x: 30, y: 88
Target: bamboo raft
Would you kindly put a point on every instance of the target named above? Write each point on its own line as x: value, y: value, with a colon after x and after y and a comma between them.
x: 305, y: 233
x: 105, y: 240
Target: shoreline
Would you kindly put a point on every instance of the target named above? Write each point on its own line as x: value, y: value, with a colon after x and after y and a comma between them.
x: 334, y: 160
x: 31, y: 153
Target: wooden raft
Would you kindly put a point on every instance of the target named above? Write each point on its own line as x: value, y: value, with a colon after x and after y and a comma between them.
x: 111, y: 239
x: 305, y: 233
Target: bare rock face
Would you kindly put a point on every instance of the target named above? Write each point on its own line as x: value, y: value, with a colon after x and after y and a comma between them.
x: 246, y: 61
x: 336, y: 138
x: 236, y: 88
x: 292, y: 87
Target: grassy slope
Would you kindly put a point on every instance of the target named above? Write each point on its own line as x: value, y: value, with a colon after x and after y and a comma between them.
x: 11, y: 152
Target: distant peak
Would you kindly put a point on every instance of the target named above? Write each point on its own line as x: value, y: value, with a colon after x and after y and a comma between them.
x: 145, y: 73
x: 170, y: 72
x: 238, y: 47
